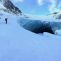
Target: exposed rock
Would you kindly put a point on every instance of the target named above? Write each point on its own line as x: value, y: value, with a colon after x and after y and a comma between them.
x: 58, y: 17
x: 11, y: 7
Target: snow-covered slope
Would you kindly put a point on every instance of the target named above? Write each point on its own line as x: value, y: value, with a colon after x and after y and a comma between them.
x: 18, y: 44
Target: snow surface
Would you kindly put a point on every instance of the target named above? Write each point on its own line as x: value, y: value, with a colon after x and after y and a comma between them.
x: 18, y: 44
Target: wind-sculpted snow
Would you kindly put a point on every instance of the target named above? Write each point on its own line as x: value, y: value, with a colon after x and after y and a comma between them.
x: 38, y: 26
x: 55, y: 25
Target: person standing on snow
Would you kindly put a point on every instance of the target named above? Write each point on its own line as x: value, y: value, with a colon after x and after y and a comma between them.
x: 6, y: 20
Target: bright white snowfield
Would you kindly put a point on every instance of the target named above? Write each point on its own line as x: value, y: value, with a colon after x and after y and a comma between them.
x: 18, y: 44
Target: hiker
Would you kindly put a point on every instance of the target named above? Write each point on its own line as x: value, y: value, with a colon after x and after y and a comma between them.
x: 6, y: 20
